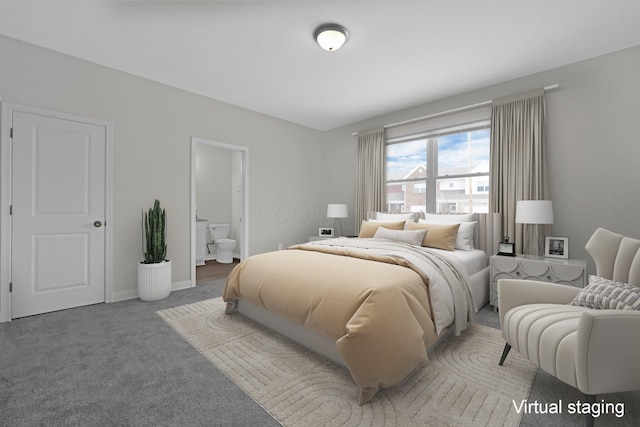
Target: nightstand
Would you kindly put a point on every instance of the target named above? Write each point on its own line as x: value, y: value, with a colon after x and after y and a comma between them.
x: 571, y: 272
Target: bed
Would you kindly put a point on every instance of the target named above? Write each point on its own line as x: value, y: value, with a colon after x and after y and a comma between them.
x: 374, y: 304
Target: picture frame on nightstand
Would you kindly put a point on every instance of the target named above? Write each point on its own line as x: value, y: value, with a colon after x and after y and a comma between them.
x: 556, y: 247
x: 325, y: 232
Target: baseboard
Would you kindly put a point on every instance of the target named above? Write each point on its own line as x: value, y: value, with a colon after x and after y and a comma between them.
x: 124, y: 295
x: 213, y: 257
x: 176, y: 286
x: 133, y: 293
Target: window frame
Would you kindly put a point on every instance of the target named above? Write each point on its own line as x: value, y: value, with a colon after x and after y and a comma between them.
x: 430, y: 132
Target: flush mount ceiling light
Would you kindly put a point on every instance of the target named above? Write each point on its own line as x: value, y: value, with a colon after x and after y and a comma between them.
x: 331, y: 37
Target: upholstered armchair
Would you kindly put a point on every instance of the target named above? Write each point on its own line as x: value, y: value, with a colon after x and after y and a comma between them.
x: 588, y: 338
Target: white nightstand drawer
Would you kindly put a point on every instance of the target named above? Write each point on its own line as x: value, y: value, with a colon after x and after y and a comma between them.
x: 571, y: 272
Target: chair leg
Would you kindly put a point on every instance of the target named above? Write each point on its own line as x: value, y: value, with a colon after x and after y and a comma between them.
x: 590, y: 399
x: 507, y: 347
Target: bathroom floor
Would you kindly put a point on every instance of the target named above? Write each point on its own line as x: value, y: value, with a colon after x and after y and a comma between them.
x: 213, y: 270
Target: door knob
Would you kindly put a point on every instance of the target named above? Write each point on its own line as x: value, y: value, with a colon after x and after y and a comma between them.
x: 97, y: 224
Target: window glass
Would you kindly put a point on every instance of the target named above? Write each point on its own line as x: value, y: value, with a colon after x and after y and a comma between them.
x: 405, y: 159
x: 463, y: 152
x: 454, y: 180
x: 403, y: 196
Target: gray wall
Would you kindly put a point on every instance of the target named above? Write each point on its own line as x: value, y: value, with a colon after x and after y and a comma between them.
x: 153, y: 124
x: 593, y: 123
x: 295, y: 171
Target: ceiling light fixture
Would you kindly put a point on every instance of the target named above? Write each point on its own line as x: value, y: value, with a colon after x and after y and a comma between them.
x: 331, y: 37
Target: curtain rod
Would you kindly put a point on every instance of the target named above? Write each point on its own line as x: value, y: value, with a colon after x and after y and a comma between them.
x: 454, y: 110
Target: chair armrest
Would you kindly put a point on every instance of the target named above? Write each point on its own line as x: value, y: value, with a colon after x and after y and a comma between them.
x: 607, y: 351
x: 515, y: 292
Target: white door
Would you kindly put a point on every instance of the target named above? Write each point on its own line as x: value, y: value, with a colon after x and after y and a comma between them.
x: 58, y: 214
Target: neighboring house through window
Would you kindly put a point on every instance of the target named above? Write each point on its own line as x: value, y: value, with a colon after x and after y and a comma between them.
x: 440, y: 165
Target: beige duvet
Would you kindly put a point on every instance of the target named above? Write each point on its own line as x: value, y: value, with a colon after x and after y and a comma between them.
x: 378, y: 312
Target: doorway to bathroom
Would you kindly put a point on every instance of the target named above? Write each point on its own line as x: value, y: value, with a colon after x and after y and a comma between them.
x: 219, y: 195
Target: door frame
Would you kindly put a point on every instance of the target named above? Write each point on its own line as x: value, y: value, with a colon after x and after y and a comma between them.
x: 6, y: 197
x: 244, y: 232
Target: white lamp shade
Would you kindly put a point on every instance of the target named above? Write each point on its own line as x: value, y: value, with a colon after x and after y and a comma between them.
x: 337, y: 211
x: 534, y: 212
x: 331, y: 37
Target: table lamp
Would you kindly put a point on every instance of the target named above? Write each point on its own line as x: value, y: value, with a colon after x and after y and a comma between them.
x: 337, y: 211
x: 533, y: 213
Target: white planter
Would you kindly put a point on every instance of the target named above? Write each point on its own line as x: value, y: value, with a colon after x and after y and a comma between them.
x: 154, y: 281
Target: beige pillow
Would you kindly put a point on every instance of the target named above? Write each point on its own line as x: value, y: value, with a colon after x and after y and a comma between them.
x: 369, y: 228
x: 440, y: 236
x: 464, y: 239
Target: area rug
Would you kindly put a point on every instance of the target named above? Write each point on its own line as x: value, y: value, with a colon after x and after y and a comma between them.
x: 462, y: 385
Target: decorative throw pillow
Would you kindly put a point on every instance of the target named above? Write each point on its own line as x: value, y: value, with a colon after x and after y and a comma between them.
x: 368, y: 228
x: 464, y: 239
x: 603, y: 294
x: 412, y: 237
x: 440, y: 236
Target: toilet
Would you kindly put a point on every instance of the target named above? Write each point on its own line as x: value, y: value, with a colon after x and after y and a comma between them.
x: 219, y: 234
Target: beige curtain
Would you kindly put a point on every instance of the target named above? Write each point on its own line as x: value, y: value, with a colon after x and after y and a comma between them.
x: 370, y: 186
x: 518, y: 157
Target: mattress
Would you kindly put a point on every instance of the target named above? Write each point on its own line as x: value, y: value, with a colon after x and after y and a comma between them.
x: 474, y: 260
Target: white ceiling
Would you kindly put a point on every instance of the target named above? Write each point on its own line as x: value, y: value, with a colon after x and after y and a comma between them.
x: 261, y: 54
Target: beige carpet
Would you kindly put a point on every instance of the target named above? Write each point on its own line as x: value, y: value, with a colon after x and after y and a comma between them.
x: 461, y: 386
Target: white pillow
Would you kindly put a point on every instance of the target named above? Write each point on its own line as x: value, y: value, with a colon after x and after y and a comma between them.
x: 464, y: 239
x: 451, y: 217
x: 412, y: 237
x: 411, y: 216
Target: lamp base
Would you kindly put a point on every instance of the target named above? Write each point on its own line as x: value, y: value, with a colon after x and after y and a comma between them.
x: 337, y: 225
x: 532, y: 246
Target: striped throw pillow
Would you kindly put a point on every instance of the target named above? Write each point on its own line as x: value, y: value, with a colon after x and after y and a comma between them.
x: 603, y: 293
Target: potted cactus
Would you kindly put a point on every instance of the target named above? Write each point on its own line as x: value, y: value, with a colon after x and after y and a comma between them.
x: 154, y: 273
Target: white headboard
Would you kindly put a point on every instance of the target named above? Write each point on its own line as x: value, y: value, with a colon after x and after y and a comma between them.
x: 488, y: 232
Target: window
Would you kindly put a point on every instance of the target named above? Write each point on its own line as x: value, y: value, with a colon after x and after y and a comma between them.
x: 442, y: 169
x: 420, y: 187
x: 482, y: 186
